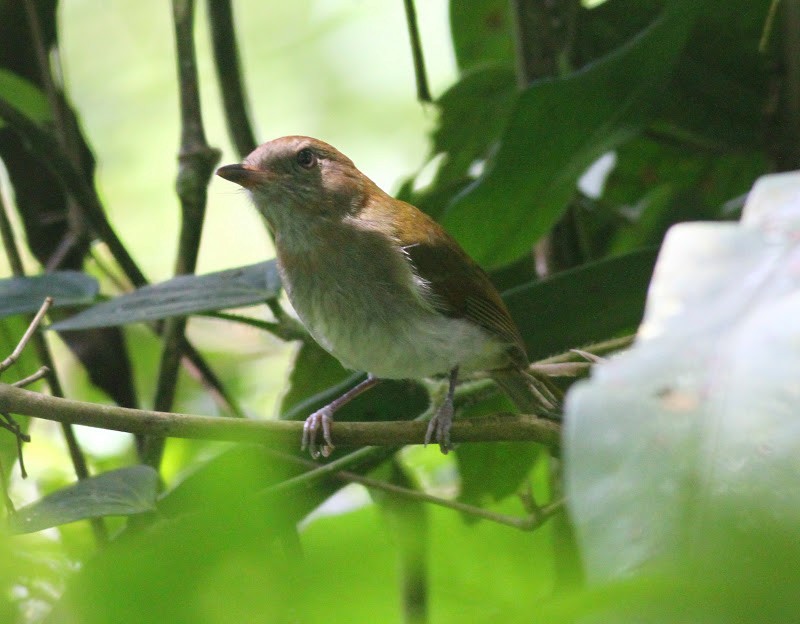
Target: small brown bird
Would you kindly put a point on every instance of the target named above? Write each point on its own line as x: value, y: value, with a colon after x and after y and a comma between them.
x: 379, y: 284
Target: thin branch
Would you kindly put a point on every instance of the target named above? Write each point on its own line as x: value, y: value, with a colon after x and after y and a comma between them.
x: 603, y: 347
x: 534, y: 519
x: 423, y: 91
x: 27, y: 381
x: 229, y: 76
x: 9, y: 424
x: 26, y: 337
x: 196, y: 165
x: 496, y: 428
x: 284, y: 331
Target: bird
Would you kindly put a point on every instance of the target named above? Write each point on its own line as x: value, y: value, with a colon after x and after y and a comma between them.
x: 380, y: 285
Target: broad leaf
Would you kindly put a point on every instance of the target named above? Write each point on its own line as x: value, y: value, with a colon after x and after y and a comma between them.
x: 122, y: 492
x: 26, y: 294
x: 183, y: 295
x: 558, y: 128
x: 583, y: 305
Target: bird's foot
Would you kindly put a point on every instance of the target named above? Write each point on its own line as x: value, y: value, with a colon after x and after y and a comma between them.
x: 321, y: 419
x: 439, y: 426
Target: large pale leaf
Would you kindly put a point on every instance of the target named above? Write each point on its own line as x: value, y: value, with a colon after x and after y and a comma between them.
x: 120, y: 492
x: 183, y: 295
x: 558, y: 128
x: 701, y: 414
x: 26, y: 294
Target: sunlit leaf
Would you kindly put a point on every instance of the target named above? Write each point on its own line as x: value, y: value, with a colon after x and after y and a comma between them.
x: 24, y: 96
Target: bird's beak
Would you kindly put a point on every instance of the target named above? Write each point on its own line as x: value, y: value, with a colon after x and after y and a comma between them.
x: 241, y: 175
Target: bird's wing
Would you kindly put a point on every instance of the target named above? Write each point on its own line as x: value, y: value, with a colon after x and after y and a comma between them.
x: 459, y: 288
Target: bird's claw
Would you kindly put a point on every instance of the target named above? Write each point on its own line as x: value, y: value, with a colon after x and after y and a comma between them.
x: 321, y: 419
x: 439, y: 427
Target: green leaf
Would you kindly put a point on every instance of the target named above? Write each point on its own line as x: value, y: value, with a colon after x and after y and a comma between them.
x: 481, y: 32
x: 656, y: 185
x: 122, y: 492
x: 583, y: 305
x: 26, y: 294
x: 723, y: 82
x: 183, y: 295
x: 699, y: 418
x: 496, y: 469
x: 24, y: 96
x: 558, y: 128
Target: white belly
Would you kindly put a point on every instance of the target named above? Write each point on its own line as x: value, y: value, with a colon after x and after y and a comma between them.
x: 428, y: 345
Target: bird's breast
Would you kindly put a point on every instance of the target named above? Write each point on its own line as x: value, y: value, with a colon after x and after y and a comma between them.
x: 364, y: 304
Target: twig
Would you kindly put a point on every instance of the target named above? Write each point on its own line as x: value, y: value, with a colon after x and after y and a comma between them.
x: 499, y: 427
x: 423, y: 91
x: 288, y: 321
x: 26, y: 381
x: 535, y: 518
x: 285, y: 331
x: 229, y: 76
x: 597, y: 348
x: 769, y: 22
x: 11, y: 425
x: 26, y: 337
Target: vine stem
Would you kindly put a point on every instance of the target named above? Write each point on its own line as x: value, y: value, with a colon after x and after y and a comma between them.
x: 196, y: 165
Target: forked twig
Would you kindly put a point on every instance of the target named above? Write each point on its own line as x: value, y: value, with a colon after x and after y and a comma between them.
x: 26, y: 337
x: 8, y: 423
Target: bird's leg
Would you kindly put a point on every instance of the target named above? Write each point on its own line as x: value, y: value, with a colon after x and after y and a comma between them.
x: 322, y: 419
x: 443, y: 418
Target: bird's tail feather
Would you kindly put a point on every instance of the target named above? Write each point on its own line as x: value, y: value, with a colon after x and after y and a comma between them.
x: 531, y: 393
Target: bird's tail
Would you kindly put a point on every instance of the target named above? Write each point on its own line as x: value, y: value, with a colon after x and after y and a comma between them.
x: 531, y: 393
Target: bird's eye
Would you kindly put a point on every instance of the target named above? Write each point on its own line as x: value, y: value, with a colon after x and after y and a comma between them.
x: 306, y: 158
